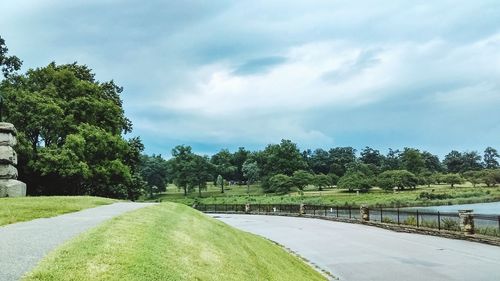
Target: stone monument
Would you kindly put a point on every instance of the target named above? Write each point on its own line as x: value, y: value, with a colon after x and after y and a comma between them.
x: 9, y: 185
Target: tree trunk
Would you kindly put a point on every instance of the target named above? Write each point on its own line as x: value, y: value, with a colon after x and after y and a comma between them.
x: 185, y: 191
x: 222, y: 186
x: 199, y: 190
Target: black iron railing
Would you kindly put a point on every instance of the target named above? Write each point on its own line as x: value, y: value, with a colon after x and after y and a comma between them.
x: 450, y: 221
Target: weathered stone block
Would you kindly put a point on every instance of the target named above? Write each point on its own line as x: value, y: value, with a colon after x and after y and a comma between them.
x: 8, y: 128
x: 12, y: 188
x: 8, y: 172
x: 8, y: 155
x: 7, y: 139
x: 365, y: 213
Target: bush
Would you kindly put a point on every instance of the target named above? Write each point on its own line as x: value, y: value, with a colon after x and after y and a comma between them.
x: 432, y: 196
x: 280, y: 184
x: 450, y: 224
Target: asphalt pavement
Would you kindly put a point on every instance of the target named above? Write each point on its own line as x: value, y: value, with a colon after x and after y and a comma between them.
x: 356, y: 252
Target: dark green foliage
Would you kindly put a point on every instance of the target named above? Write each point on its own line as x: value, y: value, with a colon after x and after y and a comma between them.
x: 301, y: 179
x: 399, y: 179
x: 70, y: 133
x: 490, y: 158
x: 154, y: 170
x: 341, y: 157
x: 371, y: 156
x: 412, y: 160
x: 355, y: 181
x: 283, y: 158
x: 453, y: 179
x: 433, y: 196
x: 453, y: 162
x: 280, y: 184
x: 8, y: 64
x: 322, y: 181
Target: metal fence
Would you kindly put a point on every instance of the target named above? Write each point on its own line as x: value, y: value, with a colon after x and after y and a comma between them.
x: 483, y: 224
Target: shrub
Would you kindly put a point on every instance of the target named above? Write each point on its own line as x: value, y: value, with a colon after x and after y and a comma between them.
x: 450, y: 224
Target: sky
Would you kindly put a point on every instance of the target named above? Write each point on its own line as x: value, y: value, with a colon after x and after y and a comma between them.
x: 322, y: 73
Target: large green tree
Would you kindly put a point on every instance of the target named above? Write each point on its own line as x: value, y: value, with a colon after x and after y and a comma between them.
x: 154, y: 170
x: 60, y: 108
x: 491, y: 158
x: 399, y: 179
x: 9, y: 64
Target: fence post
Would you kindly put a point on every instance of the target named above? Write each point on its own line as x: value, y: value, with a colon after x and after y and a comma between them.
x: 365, y: 213
x: 439, y: 221
x: 325, y: 214
x: 417, y: 218
x: 381, y: 214
x: 337, y: 211
x: 349, y: 211
x: 398, y: 216
x: 466, y: 221
x: 314, y: 210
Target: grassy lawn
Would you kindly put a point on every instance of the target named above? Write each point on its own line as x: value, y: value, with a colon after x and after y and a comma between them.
x: 14, y: 210
x: 461, y: 194
x: 170, y: 242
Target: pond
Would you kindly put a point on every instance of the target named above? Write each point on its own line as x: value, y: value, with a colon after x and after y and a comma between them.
x: 492, y: 208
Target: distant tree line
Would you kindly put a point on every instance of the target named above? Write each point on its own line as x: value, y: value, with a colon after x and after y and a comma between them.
x: 282, y: 167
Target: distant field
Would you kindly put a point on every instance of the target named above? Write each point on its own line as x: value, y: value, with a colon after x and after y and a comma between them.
x: 14, y: 210
x: 462, y: 194
x: 170, y: 242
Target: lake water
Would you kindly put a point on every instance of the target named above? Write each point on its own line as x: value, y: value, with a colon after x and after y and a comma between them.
x: 492, y: 208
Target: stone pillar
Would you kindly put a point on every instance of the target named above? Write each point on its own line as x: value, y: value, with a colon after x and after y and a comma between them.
x: 9, y: 185
x: 365, y: 213
x: 302, y: 210
x: 247, y: 208
x: 466, y: 221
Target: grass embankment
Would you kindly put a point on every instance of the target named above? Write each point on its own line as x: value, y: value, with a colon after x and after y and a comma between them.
x: 441, y: 195
x: 20, y: 209
x: 170, y: 242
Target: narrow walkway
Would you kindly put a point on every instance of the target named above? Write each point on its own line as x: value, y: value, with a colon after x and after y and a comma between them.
x: 357, y: 252
x: 23, y: 245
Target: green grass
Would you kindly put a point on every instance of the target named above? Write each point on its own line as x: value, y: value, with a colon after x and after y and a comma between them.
x: 463, y: 194
x: 20, y: 209
x: 170, y: 242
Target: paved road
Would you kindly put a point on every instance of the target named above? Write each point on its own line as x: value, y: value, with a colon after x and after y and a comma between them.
x: 357, y: 252
x: 23, y: 245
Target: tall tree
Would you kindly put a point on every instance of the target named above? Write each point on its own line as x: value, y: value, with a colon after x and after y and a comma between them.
x: 8, y: 64
x: 471, y: 161
x: 490, y: 158
x: 183, y: 168
x: 453, y: 161
x: 251, y: 172
x: 154, y: 171
x: 340, y: 158
x: 392, y: 161
x: 223, y: 163
x: 371, y: 156
x: 320, y: 161
x: 432, y: 162
x: 284, y: 158
x: 412, y: 160
x: 52, y: 103
x: 238, y: 158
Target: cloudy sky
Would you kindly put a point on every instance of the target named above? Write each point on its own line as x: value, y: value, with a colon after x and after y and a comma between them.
x: 224, y: 74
